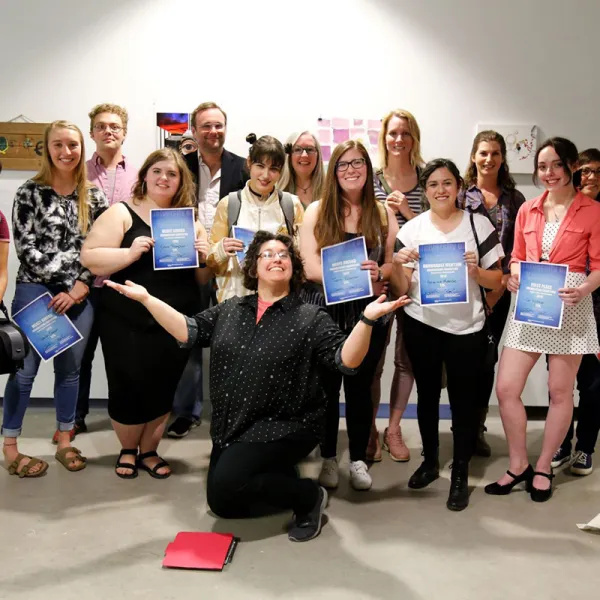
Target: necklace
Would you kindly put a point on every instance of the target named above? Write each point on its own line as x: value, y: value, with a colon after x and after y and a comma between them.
x: 553, y: 207
x: 306, y: 188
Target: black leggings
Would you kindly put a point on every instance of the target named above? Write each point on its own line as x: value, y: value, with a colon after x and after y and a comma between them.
x: 246, y: 478
x: 359, y: 402
x: 428, y: 348
x: 588, y: 421
x: 497, y: 321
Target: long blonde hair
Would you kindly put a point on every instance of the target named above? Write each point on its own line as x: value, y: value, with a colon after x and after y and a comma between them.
x: 185, y: 195
x: 46, y: 173
x: 329, y: 228
x: 416, y: 160
x: 287, y: 181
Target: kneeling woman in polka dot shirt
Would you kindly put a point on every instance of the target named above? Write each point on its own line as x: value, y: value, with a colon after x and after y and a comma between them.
x: 268, y: 353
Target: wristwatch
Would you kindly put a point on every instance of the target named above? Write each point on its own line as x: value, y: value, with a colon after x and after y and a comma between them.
x: 366, y: 320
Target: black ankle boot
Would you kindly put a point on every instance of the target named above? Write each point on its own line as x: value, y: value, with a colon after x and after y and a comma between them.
x: 458, y: 499
x: 427, y: 473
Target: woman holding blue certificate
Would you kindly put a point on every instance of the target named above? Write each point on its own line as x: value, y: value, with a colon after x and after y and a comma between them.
x: 52, y: 214
x: 143, y: 363
x: 446, y: 255
x: 559, y: 229
x: 259, y: 206
x: 490, y: 191
x: 349, y: 213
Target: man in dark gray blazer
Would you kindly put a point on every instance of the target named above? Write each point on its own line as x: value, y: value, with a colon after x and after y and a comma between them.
x: 216, y: 172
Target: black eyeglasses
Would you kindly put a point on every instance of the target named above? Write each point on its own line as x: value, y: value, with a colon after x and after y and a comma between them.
x: 357, y: 163
x: 298, y: 150
x: 586, y: 172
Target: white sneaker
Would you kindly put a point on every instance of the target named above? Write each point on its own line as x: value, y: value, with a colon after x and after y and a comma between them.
x: 330, y: 473
x: 359, y: 475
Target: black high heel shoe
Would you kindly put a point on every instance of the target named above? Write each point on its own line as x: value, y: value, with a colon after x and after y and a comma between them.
x: 495, y: 489
x: 538, y: 495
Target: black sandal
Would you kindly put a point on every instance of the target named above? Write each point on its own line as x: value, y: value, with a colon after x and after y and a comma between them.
x: 123, y: 465
x: 153, y: 471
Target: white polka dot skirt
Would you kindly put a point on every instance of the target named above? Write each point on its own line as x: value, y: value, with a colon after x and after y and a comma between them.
x: 578, y: 334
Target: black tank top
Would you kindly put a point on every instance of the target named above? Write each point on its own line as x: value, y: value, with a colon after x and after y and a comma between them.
x: 177, y: 287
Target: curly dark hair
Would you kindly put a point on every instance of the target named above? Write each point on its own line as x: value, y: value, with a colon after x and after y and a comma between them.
x: 251, y: 260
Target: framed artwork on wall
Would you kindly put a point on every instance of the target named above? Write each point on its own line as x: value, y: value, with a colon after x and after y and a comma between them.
x: 22, y: 145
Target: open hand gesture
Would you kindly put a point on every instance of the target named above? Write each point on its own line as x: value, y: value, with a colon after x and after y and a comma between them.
x: 381, y: 307
x: 130, y: 289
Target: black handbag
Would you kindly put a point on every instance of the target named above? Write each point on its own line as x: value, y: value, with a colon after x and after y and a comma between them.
x: 491, y: 348
x: 14, y: 345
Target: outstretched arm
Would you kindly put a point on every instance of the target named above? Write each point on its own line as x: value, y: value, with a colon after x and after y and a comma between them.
x: 356, y: 346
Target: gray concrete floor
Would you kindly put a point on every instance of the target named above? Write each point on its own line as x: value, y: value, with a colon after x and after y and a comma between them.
x: 91, y: 535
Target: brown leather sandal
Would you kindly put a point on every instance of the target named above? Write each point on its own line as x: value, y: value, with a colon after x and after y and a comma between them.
x: 25, y: 470
x: 61, y: 457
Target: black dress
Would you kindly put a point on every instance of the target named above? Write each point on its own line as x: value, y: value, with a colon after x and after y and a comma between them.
x: 143, y: 362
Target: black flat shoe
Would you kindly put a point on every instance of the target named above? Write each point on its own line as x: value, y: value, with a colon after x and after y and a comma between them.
x: 538, y: 495
x: 458, y: 499
x: 495, y: 489
x: 427, y: 473
x: 123, y: 465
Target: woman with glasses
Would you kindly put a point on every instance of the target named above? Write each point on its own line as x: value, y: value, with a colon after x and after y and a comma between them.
x: 397, y: 185
x: 560, y: 226
x: 143, y: 364
x: 490, y: 191
x: 269, y: 352
x: 348, y: 209
x: 446, y: 334
x: 52, y: 214
x: 260, y: 206
x: 303, y: 172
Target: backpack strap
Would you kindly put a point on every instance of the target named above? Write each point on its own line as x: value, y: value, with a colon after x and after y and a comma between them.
x: 385, y: 225
x: 287, y: 206
x: 234, y: 206
x: 384, y: 183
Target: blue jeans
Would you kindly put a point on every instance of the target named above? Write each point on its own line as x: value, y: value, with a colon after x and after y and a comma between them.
x: 189, y: 396
x: 66, y: 368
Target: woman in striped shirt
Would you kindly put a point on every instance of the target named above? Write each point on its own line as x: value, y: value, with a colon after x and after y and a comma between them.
x: 397, y: 185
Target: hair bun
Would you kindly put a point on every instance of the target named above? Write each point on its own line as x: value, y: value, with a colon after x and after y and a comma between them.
x: 251, y: 138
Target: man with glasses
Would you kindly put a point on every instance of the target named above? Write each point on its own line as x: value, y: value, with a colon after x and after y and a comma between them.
x: 109, y: 170
x: 216, y: 172
x: 586, y: 180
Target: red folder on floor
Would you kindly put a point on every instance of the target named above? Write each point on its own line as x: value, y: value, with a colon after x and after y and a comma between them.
x: 200, y: 550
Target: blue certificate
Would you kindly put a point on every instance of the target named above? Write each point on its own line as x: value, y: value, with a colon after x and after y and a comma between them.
x: 174, y: 233
x: 246, y: 236
x: 443, y: 276
x: 48, y: 333
x: 343, y: 279
x: 538, y: 302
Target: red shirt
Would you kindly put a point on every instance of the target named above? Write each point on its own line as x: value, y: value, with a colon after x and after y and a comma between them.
x: 578, y: 236
x: 262, y: 306
x: 4, y: 231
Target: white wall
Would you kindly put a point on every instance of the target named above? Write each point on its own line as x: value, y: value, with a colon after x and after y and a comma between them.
x: 276, y: 66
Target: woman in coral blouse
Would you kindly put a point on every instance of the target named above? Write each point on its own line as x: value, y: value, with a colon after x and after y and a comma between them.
x: 560, y: 226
